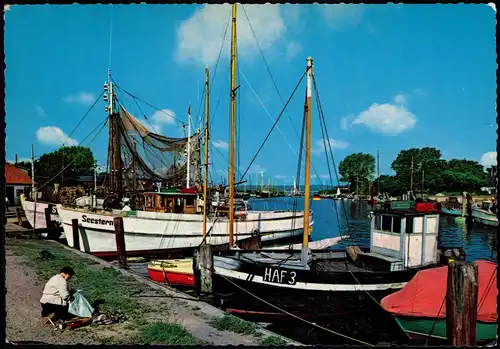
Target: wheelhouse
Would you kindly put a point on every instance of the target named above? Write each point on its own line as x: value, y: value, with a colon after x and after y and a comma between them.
x: 170, y: 202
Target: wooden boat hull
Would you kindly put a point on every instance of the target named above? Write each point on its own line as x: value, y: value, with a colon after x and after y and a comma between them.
x: 313, y: 295
x: 484, y: 217
x: 173, y: 272
x: 152, y: 233
x: 420, y: 328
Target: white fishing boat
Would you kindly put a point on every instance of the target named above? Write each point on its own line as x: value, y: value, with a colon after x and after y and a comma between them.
x: 484, y: 215
x: 29, y: 211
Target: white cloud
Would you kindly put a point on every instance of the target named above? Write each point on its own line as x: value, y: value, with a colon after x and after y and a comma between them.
x: 19, y: 160
x: 219, y: 144
x: 255, y: 168
x: 40, y: 110
x: 199, y: 37
x: 293, y: 48
x: 6, y: 8
x: 340, y: 15
x: 319, y: 145
x: 52, y: 135
x: 81, y: 98
x: 386, y: 118
x: 399, y: 99
x: 164, y: 116
x: 154, y: 127
x: 488, y: 159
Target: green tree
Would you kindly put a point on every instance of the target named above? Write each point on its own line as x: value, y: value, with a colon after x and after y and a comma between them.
x: 391, y: 185
x: 357, y: 169
x: 425, y: 163
x: 80, y: 161
x: 464, y: 175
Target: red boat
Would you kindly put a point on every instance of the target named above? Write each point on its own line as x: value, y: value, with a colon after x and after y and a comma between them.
x: 176, y: 272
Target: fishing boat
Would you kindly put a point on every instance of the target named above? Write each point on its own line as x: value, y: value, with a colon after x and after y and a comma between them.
x: 266, y: 286
x: 39, y: 222
x: 484, y: 215
x: 420, y: 307
x: 179, y: 272
x: 167, y: 222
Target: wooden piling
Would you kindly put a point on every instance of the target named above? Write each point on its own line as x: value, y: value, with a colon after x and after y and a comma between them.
x: 48, y: 222
x: 76, y: 234
x: 121, y: 254
x: 202, y: 268
x: 19, y: 218
x: 461, y: 303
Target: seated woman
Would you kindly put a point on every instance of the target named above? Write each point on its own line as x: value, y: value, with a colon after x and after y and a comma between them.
x: 56, y: 295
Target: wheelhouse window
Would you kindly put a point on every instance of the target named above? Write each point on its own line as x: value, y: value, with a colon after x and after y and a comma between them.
x: 189, y: 201
x: 388, y: 223
x: 148, y: 201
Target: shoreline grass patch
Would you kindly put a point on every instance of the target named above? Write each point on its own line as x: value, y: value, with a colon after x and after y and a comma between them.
x: 166, y: 333
x: 273, y: 340
x: 234, y: 324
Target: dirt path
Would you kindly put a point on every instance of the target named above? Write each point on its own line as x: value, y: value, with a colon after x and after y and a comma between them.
x: 23, y: 308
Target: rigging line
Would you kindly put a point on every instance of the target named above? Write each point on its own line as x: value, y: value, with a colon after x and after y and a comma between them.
x: 149, y: 104
x: 268, y: 69
x: 110, y: 36
x: 325, y: 141
x: 265, y: 109
x: 331, y: 154
x: 277, y: 127
x: 211, y: 121
x: 102, y: 124
x: 295, y: 316
x: 274, y: 125
x: 83, y: 118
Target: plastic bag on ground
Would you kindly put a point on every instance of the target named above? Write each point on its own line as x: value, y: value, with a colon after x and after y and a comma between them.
x: 80, y: 307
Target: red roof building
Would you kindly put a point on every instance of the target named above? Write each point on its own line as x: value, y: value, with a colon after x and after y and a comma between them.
x: 16, y: 176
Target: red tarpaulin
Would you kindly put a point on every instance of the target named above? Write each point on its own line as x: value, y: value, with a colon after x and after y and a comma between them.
x: 424, y: 294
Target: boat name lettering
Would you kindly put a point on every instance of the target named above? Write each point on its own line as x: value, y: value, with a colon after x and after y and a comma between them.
x: 279, y: 276
x: 86, y: 219
x: 53, y: 209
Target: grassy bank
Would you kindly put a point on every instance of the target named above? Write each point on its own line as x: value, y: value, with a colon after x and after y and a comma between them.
x: 110, y: 291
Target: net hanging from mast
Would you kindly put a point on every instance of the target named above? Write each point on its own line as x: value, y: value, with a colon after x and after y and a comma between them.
x: 157, y: 158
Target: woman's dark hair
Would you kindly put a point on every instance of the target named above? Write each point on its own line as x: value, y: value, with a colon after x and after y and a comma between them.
x: 68, y: 270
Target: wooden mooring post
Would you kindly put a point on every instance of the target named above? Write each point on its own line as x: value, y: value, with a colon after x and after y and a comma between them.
x: 121, y: 253
x: 48, y: 222
x: 19, y: 218
x: 202, y: 269
x: 76, y: 234
x: 461, y: 303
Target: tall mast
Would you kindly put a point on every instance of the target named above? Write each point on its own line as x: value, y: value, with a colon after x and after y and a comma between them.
x: 307, y: 170
x: 378, y: 174
x: 205, y: 179
x: 231, y: 143
x: 188, y: 149
x: 114, y: 152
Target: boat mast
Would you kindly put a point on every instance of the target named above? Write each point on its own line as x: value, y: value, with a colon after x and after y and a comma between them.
x: 307, y: 170
x: 115, y: 163
x: 231, y: 145
x: 378, y: 175
x: 188, y: 149
x: 205, y: 179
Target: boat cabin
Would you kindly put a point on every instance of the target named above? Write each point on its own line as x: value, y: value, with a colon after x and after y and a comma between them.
x: 170, y: 202
x: 404, y: 238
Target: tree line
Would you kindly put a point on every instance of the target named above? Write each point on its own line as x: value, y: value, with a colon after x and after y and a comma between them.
x: 417, y: 169
x: 76, y: 161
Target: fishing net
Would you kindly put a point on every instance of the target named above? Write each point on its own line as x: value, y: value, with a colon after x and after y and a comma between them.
x: 156, y: 157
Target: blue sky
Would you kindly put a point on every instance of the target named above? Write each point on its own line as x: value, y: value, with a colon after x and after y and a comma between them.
x: 390, y: 77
